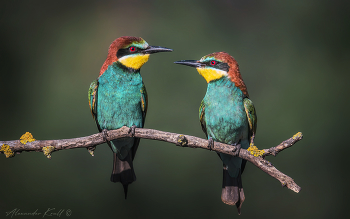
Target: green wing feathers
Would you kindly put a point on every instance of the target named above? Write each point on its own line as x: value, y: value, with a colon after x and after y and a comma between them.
x: 202, y: 118
x: 251, y: 115
x: 92, y: 97
x: 144, y: 102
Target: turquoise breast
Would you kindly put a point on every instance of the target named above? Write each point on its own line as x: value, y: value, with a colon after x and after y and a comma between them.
x: 119, y: 98
x: 225, y: 116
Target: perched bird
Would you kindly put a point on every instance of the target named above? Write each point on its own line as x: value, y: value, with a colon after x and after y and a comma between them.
x: 227, y: 115
x: 118, y: 98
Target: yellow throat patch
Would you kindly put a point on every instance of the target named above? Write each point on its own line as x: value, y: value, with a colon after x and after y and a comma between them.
x: 211, y: 74
x: 134, y: 61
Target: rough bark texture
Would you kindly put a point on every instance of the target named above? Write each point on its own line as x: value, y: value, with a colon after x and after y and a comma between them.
x: 89, y: 142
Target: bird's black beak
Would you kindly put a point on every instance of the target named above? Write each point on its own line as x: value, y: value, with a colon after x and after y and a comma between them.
x: 192, y: 63
x: 155, y: 49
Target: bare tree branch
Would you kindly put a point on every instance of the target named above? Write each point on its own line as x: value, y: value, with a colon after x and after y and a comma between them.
x: 9, y: 148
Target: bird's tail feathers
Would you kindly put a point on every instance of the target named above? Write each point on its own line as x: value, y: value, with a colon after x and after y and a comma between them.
x: 232, y: 190
x: 123, y: 171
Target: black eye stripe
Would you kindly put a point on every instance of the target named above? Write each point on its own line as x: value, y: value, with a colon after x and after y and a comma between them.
x: 126, y: 51
x: 218, y: 65
x: 209, y: 63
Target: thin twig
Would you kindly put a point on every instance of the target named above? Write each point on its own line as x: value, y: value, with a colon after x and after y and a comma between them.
x: 89, y: 142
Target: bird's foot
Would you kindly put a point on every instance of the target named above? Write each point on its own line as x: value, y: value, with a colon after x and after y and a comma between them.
x: 210, y: 144
x: 238, y: 149
x: 254, y: 150
x: 105, y: 135
x: 132, y: 130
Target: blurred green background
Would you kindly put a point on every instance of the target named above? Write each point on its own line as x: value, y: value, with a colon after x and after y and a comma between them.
x: 293, y: 56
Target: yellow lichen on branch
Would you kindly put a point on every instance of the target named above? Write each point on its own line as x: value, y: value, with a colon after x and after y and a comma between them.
x: 297, y: 135
x: 27, y: 137
x: 7, y: 151
x: 181, y: 140
x: 255, y: 151
x: 91, y: 150
x: 47, y: 151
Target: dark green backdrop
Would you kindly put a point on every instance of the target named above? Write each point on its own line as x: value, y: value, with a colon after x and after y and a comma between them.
x: 293, y: 56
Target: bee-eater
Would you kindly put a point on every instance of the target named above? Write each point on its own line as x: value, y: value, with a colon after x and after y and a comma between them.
x: 118, y: 98
x: 226, y: 115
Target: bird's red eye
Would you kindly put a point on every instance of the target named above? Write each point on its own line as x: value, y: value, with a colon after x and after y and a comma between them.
x: 212, y: 62
x: 132, y: 49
